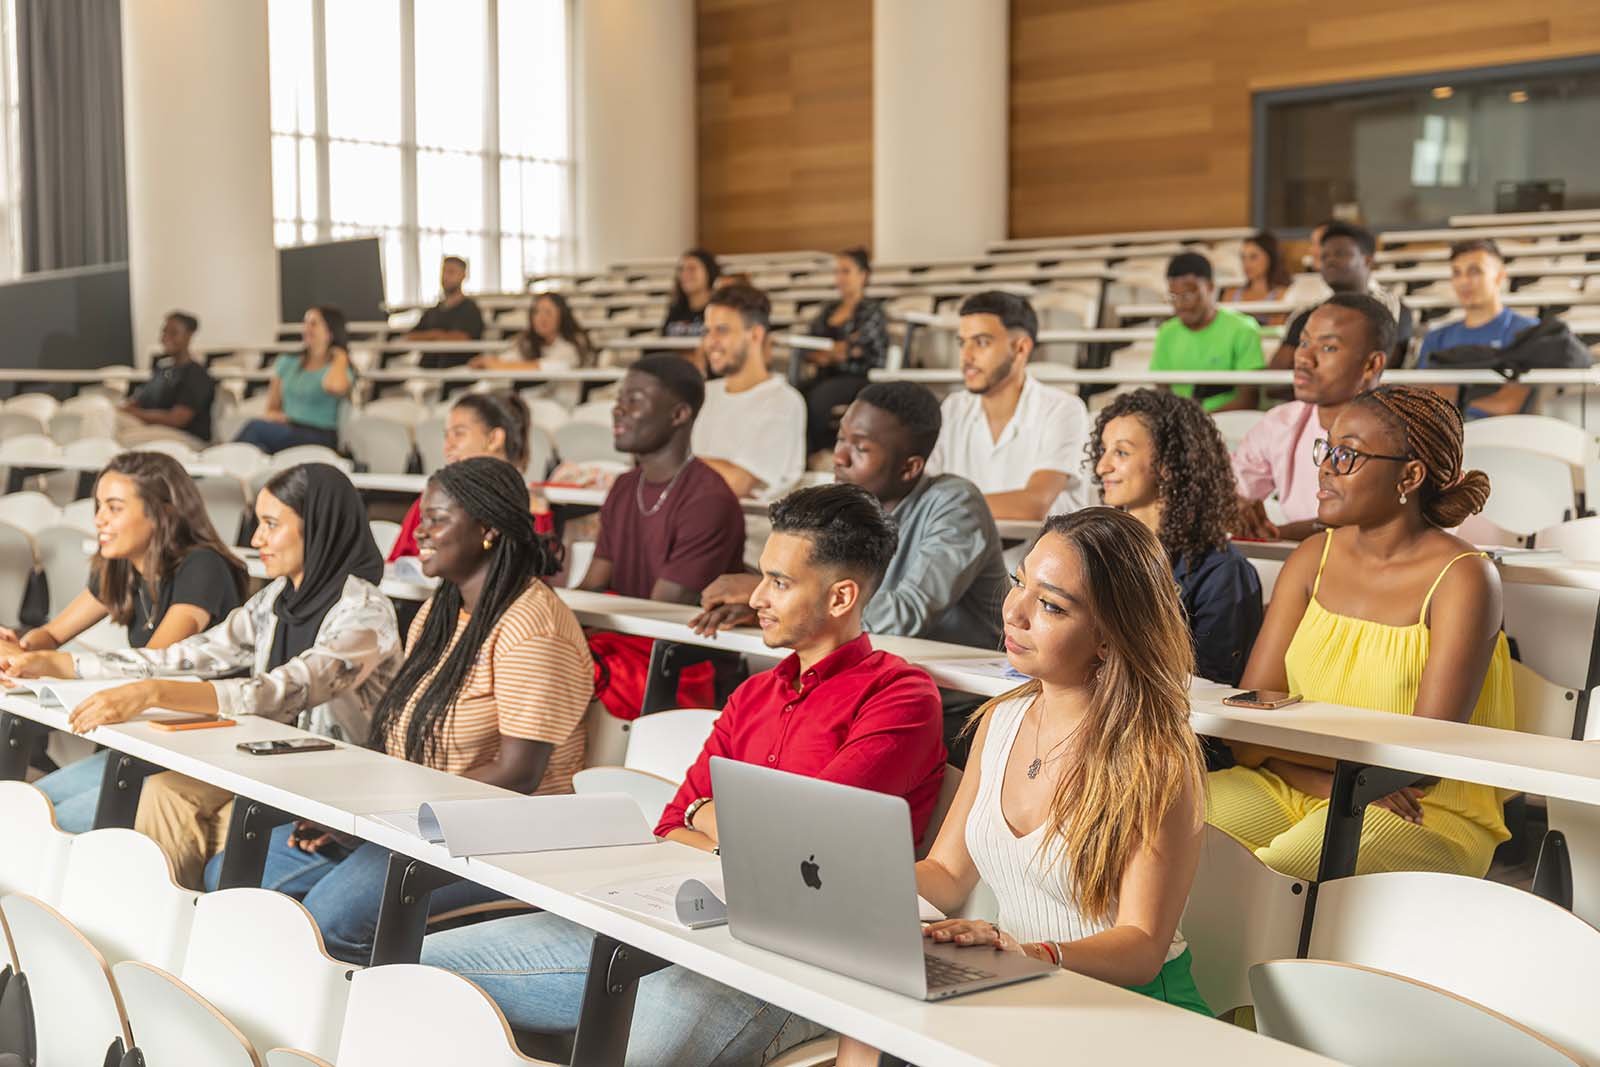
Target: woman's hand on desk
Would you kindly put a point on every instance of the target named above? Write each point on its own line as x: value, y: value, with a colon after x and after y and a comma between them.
x: 21, y: 664
x: 111, y: 706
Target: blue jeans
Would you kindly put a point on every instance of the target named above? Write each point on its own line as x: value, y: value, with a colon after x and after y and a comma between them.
x: 343, y: 894
x: 272, y: 437
x: 534, y: 967
x: 74, y: 791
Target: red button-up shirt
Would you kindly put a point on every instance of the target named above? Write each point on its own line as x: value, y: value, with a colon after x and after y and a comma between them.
x: 859, y: 716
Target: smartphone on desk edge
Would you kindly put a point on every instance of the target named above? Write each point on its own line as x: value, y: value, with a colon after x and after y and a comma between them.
x: 285, y: 747
x: 1262, y: 699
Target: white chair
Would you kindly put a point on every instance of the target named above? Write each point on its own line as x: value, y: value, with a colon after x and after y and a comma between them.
x: 1370, y: 1018
x: 293, y: 457
x: 380, y: 444
x: 1511, y: 951
x: 1233, y: 425
x: 1541, y: 434
x: 596, y: 411
x: 64, y: 554
x: 288, y: 1057
x: 33, y: 850
x: 1542, y: 707
x: 667, y: 743
x: 385, y: 533
x: 14, y: 424
x: 68, y: 426
x: 243, y: 461
x: 119, y: 892
x: 410, y: 1014
x: 79, y: 514
x: 1240, y: 912
x: 941, y: 807
x: 544, y: 412
x: 651, y: 792
x: 176, y: 449
x: 174, y: 1024
x: 16, y: 567
x: 401, y: 409
x: 29, y: 512
x: 21, y: 449
x: 541, y: 454
x: 1481, y: 531
x: 1577, y: 539
x: 258, y: 956
x: 579, y: 441
x: 35, y: 405
x: 1553, y: 627
x: 429, y: 434
x: 1529, y: 491
x: 77, y: 1015
x: 94, y: 449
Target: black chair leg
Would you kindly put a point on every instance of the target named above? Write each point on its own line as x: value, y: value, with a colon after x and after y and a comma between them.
x: 1552, y: 875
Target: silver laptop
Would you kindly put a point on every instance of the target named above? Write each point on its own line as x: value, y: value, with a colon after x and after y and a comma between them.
x: 824, y: 873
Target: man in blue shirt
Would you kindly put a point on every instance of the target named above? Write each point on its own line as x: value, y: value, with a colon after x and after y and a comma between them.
x: 1478, y: 275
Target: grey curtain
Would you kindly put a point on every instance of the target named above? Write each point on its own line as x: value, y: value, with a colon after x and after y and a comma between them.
x: 74, y: 183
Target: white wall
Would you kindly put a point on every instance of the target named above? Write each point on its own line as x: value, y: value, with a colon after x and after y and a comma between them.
x: 634, y: 104
x: 199, y: 158
x: 939, y: 126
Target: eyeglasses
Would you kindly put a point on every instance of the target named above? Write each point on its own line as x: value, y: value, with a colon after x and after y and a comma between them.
x: 1345, y: 459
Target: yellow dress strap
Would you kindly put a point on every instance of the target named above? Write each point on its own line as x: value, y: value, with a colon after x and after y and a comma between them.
x: 1327, y: 542
x: 1429, y: 598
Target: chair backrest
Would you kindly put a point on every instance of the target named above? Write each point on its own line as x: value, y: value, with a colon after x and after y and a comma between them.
x: 242, y: 460
x: 1240, y: 913
x: 380, y: 444
x: 651, y: 792
x: 1542, y: 707
x: 96, y: 449
x: 173, y: 1024
x: 578, y: 441
x: 1543, y: 434
x: 667, y: 743
x: 1531, y: 491
x: 77, y: 1013
x: 1371, y: 1018
x: 258, y: 956
x: 120, y: 893
x: 16, y: 567
x: 941, y: 807
x: 1554, y: 628
x: 1509, y: 950
x: 291, y: 457
x: 1233, y: 425
x: 79, y: 514
x: 1577, y: 539
x: 36, y: 405
x: 64, y: 554
x: 14, y: 424
x: 33, y: 849
x: 385, y: 533
x: 401, y: 409
x: 226, y: 503
x: 28, y: 511
x: 288, y: 1057
x: 31, y: 446
x: 408, y: 1013
x: 544, y: 412
x: 429, y: 434
x: 595, y: 411
x: 176, y: 449
x: 541, y: 453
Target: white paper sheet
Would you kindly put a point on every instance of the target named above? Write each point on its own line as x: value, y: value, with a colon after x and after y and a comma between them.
x: 526, y: 824
x: 664, y: 898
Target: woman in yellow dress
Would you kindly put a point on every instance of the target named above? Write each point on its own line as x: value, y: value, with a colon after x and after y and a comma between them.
x: 1387, y: 611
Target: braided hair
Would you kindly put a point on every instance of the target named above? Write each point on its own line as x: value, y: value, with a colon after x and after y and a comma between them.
x: 491, y: 492
x: 1432, y: 430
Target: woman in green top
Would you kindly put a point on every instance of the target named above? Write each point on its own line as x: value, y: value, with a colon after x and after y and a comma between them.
x: 303, y: 404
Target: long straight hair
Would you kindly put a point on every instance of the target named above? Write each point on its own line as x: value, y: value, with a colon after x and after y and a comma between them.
x: 180, y: 525
x: 531, y: 346
x: 1134, y: 753
x: 493, y: 493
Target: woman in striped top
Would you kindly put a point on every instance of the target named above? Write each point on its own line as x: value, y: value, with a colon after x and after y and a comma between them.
x: 494, y: 688
x: 1082, y: 801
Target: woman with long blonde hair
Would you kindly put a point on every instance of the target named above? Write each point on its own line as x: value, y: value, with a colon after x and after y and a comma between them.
x: 1082, y: 803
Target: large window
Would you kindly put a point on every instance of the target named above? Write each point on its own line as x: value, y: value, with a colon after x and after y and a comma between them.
x: 1413, y: 151
x: 441, y: 126
x: 10, y: 157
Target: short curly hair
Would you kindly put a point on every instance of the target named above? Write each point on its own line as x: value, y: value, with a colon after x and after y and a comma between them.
x: 1193, y: 474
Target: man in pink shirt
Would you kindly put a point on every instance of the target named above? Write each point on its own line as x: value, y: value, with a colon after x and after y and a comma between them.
x: 1342, y: 352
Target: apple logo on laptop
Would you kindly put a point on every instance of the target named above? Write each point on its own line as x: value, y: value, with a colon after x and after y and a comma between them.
x: 810, y: 873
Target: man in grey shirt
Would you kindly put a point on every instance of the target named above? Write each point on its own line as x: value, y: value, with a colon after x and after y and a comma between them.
x: 947, y: 581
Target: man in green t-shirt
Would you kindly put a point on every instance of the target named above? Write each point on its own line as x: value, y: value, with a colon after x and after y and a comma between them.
x: 1203, y: 337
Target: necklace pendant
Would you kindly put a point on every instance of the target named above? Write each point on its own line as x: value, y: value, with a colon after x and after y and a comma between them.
x: 1033, y: 768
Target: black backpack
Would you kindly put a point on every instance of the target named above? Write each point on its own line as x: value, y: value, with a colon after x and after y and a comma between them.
x: 1548, y: 345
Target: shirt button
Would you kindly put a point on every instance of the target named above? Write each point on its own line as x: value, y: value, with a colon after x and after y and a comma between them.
x: 772, y: 759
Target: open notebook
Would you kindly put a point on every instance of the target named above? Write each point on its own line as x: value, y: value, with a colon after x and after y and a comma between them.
x: 525, y: 824
x: 67, y: 694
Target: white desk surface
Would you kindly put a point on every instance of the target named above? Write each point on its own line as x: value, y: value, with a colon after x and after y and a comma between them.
x: 1514, y: 567
x: 1466, y: 233
x: 1520, y: 218
x: 1512, y: 253
x: 1441, y: 271
x: 1137, y: 237
x: 1244, y: 307
x: 1061, y: 374
x: 75, y: 377
x: 467, y: 374
x: 69, y: 463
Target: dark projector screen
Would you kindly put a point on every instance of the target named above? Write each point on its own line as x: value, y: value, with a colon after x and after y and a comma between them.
x: 345, y: 274
x: 67, y: 319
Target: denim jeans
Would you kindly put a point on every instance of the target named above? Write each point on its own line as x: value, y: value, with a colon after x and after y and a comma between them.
x: 343, y: 894
x: 74, y: 791
x: 273, y: 437
x: 534, y: 967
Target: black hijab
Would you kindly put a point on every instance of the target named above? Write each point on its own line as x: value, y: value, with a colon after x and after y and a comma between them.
x: 338, y: 544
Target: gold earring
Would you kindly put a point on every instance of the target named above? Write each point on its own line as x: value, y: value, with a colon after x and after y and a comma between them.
x: 488, y: 544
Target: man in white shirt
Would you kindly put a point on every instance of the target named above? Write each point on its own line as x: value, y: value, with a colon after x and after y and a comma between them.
x: 1020, y: 442
x: 752, y: 427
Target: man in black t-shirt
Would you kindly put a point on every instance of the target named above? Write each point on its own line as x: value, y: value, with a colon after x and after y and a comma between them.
x: 1347, y: 257
x: 175, y: 404
x: 456, y: 316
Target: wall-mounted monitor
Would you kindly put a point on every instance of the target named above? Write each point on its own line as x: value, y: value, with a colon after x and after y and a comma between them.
x: 75, y: 319
x: 345, y: 274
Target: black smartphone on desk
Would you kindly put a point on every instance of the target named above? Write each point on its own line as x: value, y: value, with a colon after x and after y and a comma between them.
x: 284, y: 747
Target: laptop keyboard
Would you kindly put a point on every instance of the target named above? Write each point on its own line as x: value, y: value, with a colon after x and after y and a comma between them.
x: 941, y: 972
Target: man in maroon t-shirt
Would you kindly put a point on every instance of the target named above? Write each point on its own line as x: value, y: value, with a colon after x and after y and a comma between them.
x: 667, y: 528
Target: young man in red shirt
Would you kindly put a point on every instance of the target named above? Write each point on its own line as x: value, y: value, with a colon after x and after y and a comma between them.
x: 834, y: 709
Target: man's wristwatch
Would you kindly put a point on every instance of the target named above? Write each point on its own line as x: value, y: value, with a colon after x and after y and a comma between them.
x: 693, y: 809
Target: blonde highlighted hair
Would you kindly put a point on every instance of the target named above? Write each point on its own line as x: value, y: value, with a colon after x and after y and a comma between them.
x: 1134, y: 754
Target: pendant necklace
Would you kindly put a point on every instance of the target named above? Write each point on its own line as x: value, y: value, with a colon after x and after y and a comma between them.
x: 638, y: 490
x: 1038, y: 764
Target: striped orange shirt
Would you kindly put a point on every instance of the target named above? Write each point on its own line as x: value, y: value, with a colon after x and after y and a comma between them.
x: 533, y: 679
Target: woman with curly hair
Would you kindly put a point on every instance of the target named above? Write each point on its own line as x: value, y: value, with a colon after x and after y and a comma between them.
x: 1385, y: 611
x: 1159, y: 457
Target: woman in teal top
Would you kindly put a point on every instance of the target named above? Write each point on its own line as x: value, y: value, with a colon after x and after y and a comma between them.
x: 303, y: 404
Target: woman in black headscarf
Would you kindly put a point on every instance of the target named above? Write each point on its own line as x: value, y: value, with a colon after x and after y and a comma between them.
x: 320, y: 642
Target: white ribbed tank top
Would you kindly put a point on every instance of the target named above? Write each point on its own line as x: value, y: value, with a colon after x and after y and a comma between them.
x: 1032, y: 889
